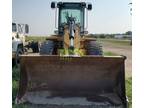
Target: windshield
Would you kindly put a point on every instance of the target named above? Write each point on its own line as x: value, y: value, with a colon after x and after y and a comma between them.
x: 14, y: 28
x: 21, y: 28
x: 71, y: 10
x: 75, y: 13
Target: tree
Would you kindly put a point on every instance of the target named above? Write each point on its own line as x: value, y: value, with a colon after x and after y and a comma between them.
x: 128, y: 33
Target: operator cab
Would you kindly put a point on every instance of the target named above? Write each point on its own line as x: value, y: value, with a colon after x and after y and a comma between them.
x: 74, y: 11
x: 20, y: 28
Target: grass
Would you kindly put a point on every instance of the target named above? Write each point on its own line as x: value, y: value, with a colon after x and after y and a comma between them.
x: 15, y: 79
x: 116, y: 41
x: 129, y: 90
x: 109, y: 53
x: 111, y: 40
x: 20, y: 106
x: 35, y: 38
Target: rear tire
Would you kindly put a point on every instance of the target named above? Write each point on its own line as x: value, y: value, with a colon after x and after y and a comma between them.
x: 94, y: 48
x: 47, y: 48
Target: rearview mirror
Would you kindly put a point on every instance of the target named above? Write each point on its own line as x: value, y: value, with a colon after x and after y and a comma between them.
x: 53, y: 5
x: 89, y: 7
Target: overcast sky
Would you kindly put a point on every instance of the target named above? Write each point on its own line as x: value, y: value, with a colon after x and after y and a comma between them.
x: 107, y: 16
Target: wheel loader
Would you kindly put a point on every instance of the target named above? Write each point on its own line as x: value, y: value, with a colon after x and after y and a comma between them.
x: 70, y: 71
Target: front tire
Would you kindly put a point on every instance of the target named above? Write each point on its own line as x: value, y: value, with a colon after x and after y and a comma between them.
x: 35, y: 47
x: 47, y: 48
x: 94, y: 48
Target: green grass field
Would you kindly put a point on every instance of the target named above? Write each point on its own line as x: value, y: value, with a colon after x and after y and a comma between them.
x: 109, y: 53
x: 116, y: 41
x: 35, y: 38
x: 129, y: 90
x: 16, y: 71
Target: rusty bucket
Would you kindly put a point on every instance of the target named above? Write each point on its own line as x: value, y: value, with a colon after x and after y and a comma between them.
x: 94, y: 78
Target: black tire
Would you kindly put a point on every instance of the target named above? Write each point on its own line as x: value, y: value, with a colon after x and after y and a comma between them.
x: 47, y: 48
x: 35, y: 47
x: 94, y: 48
x: 19, y: 52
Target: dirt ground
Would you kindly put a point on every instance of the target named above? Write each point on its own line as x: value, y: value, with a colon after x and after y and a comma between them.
x: 120, y: 49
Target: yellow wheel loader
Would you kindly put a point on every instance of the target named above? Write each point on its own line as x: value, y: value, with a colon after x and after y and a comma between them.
x: 70, y: 70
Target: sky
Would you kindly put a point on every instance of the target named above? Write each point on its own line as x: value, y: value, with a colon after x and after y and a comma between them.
x: 107, y: 16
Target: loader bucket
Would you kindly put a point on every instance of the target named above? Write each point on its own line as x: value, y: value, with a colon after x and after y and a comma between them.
x: 52, y: 79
